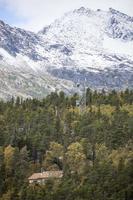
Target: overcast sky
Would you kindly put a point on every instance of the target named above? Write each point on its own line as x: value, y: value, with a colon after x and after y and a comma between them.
x: 35, y: 14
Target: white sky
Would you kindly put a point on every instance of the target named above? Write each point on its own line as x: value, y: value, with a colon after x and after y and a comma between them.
x: 39, y: 13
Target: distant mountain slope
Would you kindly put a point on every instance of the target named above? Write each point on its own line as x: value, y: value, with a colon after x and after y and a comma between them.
x: 86, y: 46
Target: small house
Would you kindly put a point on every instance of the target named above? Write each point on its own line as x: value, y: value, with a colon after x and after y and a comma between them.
x: 41, y: 178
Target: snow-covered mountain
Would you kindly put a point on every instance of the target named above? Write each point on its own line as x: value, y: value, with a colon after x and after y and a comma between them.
x: 91, y: 47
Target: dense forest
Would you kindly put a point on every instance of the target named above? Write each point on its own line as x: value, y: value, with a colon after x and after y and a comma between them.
x: 92, y: 144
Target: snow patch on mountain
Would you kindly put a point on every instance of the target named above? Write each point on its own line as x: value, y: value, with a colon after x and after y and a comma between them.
x: 117, y: 46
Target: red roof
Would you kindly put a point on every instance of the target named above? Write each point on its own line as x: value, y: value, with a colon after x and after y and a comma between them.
x: 46, y: 174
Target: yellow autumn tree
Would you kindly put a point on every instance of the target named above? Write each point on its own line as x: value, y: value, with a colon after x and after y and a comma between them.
x: 9, y: 158
x: 76, y: 158
x: 53, y: 157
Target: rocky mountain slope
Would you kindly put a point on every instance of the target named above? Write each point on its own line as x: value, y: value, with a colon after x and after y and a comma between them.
x: 94, y: 48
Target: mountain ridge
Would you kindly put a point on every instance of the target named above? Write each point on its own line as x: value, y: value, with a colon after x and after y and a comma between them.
x: 83, y: 44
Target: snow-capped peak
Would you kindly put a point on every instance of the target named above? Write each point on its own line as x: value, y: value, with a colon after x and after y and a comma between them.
x: 82, y: 10
x: 82, y: 44
x: 120, y: 14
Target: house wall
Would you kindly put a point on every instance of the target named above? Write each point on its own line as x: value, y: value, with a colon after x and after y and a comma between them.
x: 39, y: 181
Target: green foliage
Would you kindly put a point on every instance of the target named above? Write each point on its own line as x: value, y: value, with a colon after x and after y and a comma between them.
x: 93, y: 148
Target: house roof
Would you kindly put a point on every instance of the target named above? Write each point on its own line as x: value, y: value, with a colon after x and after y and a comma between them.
x: 46, y: 174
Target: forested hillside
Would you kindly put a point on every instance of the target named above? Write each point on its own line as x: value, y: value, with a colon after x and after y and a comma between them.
x: 93, y: 145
